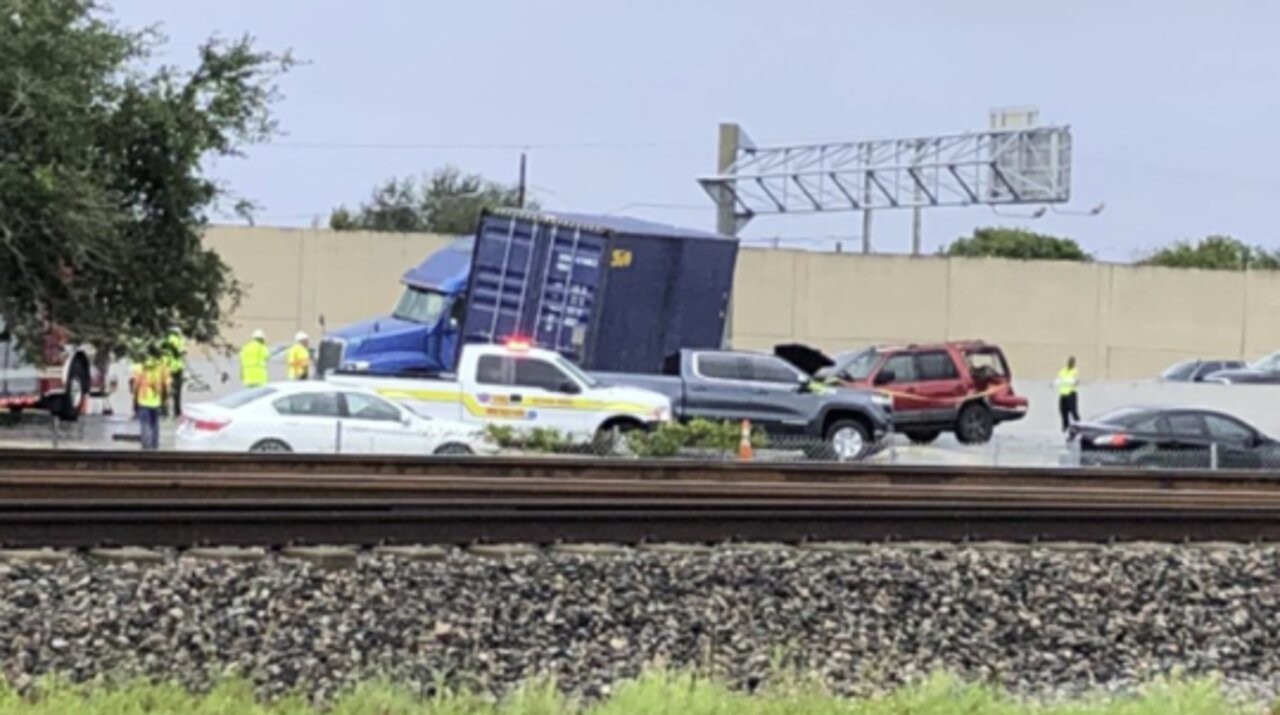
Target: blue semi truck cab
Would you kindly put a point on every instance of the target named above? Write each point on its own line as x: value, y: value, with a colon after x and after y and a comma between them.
x: 421, y: 333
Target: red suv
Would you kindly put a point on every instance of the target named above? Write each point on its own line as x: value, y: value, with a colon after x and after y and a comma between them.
x: 963, y: 387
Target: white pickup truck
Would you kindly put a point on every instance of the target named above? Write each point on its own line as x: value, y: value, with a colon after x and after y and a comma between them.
x: 519, y: 386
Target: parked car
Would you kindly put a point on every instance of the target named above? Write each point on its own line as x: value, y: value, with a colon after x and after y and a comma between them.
x: 520, y: 386
x: 1197, y: 370
x: 318, y: 417
x: 961, y: 387
x: 1173, y: 437
x: 1265, y: 371
x: 727, y: 385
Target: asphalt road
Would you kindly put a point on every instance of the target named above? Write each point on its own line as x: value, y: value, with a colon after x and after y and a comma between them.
x: 1035, y: 440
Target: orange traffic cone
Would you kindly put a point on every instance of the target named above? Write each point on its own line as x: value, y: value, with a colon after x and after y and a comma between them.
x: 744, y: 445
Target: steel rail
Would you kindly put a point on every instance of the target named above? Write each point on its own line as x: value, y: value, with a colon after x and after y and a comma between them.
x: 78, y: 499
x: 176, y: 463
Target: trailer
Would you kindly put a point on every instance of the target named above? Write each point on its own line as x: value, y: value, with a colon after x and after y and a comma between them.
x: 609, y: 292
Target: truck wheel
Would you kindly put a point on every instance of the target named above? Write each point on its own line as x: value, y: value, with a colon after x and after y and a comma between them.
x: 453, y: 449
x: 67, y: 406
x: 922, y: 436
x: 975, y: 424
x: 612, y: 436
x: 848, y: 440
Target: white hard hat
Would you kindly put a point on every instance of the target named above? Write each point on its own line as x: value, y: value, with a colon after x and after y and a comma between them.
x: 301, y: 336
x: 259, y: 334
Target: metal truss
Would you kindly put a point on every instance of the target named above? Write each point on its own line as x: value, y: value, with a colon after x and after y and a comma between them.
x: 997, y: 167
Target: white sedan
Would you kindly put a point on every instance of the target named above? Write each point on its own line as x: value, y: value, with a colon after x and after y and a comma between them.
x: 316, y: 417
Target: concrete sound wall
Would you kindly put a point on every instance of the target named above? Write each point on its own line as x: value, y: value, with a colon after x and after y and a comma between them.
x: 293, y: 276
x: 1119, y: 321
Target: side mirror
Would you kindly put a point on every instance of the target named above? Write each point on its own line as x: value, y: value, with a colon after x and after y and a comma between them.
x: 569, y: 388
x: 320, y: 320
x: 884, y: 377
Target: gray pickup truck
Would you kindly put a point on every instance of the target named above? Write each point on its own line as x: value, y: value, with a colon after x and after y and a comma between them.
x: 772, y: 393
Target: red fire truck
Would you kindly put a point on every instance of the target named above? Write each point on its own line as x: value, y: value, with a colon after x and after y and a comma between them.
x: 62, y: 381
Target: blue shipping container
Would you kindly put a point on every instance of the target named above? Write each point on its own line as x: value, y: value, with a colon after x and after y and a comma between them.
x: 609, y: 292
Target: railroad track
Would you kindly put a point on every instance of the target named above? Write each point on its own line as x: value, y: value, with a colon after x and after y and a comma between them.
x: 81, y: 499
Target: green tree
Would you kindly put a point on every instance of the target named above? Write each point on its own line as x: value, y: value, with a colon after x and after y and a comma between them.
x: 447, y: 201
x: 1215, y: 253
x: 103, y: 194
x: 1016, y: 243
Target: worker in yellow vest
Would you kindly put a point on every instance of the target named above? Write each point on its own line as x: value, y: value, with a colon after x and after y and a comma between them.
x: 253, y: 360
x: 150, y: 387
x: 298, y: 360
x: 175, y: 345
x: 1068, y: 384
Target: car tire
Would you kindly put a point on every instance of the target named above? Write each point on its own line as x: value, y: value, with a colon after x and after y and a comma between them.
x: 922, y: 436
x: 848, y: 441
x: 975, y: 425
x: 612, y: 437
x: 67, y: 405
x: 454, y: 449
x: 270, y: 446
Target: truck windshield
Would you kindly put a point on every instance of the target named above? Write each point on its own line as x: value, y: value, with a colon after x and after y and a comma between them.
x: 420, y: 305
x: 577, y: 372
x: 1270, y: 363
x: 855, y: 365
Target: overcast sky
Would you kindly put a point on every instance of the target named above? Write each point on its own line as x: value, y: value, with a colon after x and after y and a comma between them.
x: 1173, y: 105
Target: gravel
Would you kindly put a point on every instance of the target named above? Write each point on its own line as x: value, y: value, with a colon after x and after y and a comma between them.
x: 1043, y: 622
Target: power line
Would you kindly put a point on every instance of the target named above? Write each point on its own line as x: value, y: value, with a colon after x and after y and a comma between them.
x: 493, y: 146
x: 341, y: 145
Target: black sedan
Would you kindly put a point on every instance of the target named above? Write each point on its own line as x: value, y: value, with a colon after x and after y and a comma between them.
x: 1173, y: 438
x: 1261, y: 372
x: 1198, y: 370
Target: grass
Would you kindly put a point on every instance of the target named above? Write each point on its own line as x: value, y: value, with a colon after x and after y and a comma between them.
x: 654, y: 692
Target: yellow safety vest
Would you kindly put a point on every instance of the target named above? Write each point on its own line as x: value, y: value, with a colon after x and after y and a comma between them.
x: 1068, y: 379
x: 253, y: 363
x: 175, y: 352
x: 298, y: 361
x: 150, y: 380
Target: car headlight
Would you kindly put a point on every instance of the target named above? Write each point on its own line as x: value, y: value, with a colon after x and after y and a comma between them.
x: 662, y: 414
x: 356, y: 365
x: 882, y: 399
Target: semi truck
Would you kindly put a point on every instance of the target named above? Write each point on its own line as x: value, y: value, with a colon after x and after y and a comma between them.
x: 609, y: 293
x: 57, y: 377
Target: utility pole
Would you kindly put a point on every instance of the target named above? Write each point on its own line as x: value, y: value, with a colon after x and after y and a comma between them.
x: 521, y: 185
x: 915, y: 209
x: 730, y: 140
x: 866, y: 205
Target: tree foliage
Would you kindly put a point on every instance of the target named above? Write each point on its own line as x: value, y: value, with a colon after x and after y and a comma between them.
x: 1215, y: 253
x: 103, y: 194
x: 447, y: 202
x: 1016, y: 243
